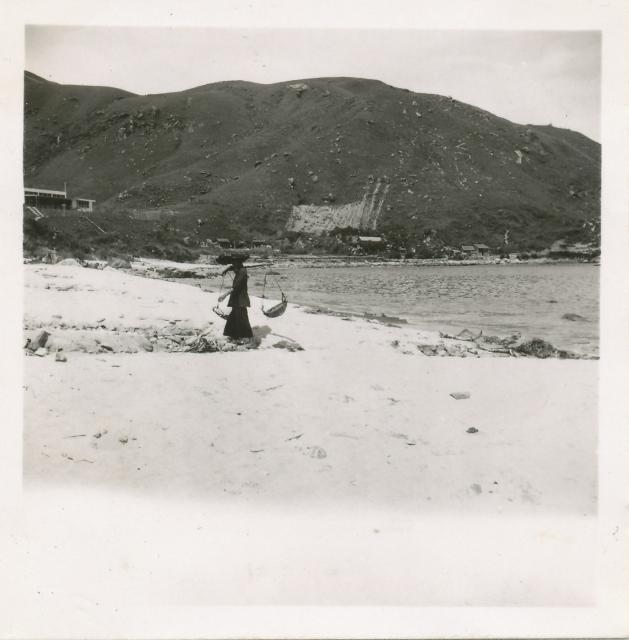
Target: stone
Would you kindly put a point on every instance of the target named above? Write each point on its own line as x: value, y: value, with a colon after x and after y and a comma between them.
x: 318, y: 452
x: 427, y: 349
x: 460, y: 395
x: 60, y: 357
x: 123, y: 439
x: 472, y: 430
x: 573, y: 317
x: 41, y: 352
x: 40, y: 341
x: 289, y: 345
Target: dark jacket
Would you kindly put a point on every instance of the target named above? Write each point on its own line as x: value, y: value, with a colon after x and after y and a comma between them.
x: 239, y: 297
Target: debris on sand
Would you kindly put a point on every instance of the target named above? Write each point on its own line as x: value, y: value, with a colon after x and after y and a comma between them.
x: 460, y: 395
x: 465, y: 334
x: 541, y: 349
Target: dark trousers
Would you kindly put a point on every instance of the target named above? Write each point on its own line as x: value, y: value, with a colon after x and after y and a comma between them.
x: 237, y: 325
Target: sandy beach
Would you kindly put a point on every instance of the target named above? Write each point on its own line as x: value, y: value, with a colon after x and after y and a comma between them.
x: 352, y: 454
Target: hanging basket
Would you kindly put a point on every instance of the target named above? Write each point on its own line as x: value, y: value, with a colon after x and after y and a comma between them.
x: 221, y: 313
x: 276, y: 310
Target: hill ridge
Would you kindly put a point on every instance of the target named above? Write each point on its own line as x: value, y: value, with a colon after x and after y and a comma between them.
x: 240, y: 156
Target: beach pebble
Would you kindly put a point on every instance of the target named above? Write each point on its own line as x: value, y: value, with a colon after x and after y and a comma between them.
x: 472, y: 430
x: 318, y: 452
x: 460, y: 395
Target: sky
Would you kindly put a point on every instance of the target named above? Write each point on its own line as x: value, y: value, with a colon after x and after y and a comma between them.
x: 528, y: 77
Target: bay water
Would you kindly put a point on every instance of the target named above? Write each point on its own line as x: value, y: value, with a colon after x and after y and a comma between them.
x: 556, y: 302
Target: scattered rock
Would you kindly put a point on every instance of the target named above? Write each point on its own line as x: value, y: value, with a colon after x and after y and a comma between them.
x: 573, y: 317
x: 70, y: 262
x: 318, y: 452
x: 40, y: 341
x: 289, y: 345
x: 123, y: 439
x: 427, y: 349
x: 472, y: 430
x: 60, y: 357
x: 460, y: 395
x: 41, y: 352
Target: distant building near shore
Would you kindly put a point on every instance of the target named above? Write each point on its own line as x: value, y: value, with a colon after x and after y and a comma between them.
x: 370, y: 243
x: 59, y: 200
x: 475, y: 250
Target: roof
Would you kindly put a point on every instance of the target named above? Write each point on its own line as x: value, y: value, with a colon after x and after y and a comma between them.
x: 47, y: 191
x: 369, y: 238
x: 223, y: 240
x: 481, y: 246
x: 468, y: 247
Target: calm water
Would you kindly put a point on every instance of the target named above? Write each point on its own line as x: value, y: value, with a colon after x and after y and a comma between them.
x: 499, y: 299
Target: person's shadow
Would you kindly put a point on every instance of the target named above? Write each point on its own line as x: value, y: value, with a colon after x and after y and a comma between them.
x: 261, y: 332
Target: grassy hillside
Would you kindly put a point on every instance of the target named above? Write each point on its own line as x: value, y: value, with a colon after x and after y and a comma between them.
x: 237, y: 156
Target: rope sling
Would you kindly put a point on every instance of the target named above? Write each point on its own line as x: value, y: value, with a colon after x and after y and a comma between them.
x: 221, y: 313
x: 274, y: 312
x: 279, y: 308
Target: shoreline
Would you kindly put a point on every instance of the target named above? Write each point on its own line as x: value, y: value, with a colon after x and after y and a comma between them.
x: 156, y: 330
x: 360, y: 422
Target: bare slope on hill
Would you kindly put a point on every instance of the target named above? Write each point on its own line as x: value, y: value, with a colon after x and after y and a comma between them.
x: 241, y: 155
